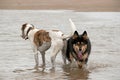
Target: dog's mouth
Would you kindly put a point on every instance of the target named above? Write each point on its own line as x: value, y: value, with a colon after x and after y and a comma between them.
x: 79, y: 54
x: 78, y: 51
x: 80, y: 58
x: 24, y: 37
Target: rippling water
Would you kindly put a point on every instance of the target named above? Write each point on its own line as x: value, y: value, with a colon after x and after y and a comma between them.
x: 16, y: 56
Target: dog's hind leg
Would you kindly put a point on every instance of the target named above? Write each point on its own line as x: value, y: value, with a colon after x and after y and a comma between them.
x: 64, y: 54
x: 53, y: 56
x: 64, y: 57
x: 64, y: 51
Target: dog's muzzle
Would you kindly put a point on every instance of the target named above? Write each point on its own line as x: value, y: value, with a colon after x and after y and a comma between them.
x: 24, y: 37
x: 80, y: 55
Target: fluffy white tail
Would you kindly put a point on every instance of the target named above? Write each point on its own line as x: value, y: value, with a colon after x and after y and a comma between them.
x: 73, y: 29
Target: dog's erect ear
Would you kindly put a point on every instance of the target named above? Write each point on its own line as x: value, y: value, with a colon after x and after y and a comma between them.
x: 84, y: 35
x: 75, y: 35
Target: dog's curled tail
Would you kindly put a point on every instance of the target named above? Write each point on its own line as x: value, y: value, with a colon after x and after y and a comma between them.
x: 73, y: 29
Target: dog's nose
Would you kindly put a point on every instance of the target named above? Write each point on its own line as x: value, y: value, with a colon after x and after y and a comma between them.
x: 22, y: 36
x: 79, y: 49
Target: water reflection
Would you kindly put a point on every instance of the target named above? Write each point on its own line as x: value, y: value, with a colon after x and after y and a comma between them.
x: 75, y: 73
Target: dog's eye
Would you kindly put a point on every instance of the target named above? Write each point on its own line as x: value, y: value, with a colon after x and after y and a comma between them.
x: 82, y: 43
x: 78, y: 42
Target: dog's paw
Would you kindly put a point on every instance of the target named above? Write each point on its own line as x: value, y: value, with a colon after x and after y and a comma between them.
x: 36, y: 67
x: 42, y: 66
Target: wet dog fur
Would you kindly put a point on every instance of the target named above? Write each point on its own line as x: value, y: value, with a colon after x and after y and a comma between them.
x: 78, y: 48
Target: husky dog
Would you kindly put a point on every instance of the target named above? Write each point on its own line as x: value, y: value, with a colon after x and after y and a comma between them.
x: 78, y: 48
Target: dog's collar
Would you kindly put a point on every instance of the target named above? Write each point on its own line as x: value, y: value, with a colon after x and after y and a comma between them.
x: 26, y: 36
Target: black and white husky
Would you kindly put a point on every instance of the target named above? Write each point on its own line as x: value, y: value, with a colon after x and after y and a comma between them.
x: 78, y: 48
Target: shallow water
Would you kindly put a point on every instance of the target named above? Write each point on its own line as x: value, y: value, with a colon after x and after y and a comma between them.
x: 16, y: 55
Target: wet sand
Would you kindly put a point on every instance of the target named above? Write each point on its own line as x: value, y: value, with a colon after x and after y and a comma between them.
x: 17, y: 57
x: 77, y: 5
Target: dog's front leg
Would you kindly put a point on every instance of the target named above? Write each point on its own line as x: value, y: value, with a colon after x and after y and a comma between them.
x: 36, y: 60
x: 43, y: 59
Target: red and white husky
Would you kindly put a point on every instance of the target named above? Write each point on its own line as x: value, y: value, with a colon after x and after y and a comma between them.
x: 42, y: 40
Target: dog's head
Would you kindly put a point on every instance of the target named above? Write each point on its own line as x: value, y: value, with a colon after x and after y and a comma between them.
x: 80, y: 46
x: 25, y: 30
x: 79, y: 41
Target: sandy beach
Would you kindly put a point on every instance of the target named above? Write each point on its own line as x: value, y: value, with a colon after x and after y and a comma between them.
x: 79, y: 5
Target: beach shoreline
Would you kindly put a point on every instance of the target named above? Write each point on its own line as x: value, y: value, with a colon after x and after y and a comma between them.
x: 77, y: 5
